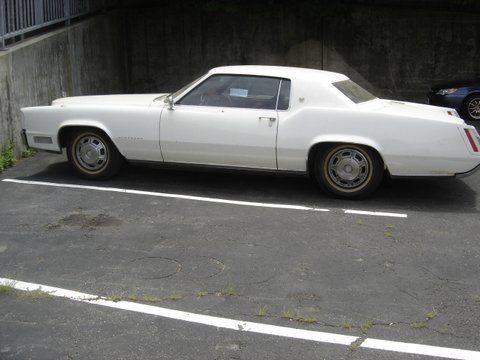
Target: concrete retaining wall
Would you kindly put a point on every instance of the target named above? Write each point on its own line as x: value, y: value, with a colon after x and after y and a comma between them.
x: 394, y: 49
x: 84, y: 58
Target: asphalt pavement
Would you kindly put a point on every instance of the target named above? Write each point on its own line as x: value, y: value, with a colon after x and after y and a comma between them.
x: 412, y: 279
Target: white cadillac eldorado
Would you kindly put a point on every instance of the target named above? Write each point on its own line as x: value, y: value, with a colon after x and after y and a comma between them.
x: 261, y: 117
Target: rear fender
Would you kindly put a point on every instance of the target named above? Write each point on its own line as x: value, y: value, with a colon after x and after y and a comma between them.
x: 346, y: 139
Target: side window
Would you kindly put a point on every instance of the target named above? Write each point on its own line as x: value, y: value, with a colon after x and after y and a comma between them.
x: 284, y: 97
x: 252, y: 92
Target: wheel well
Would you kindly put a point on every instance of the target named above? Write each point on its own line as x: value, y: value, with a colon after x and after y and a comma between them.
x: 67, y: 132
x: 315, y: 149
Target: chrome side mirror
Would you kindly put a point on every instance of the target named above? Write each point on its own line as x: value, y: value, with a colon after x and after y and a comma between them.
x: 169, y: 100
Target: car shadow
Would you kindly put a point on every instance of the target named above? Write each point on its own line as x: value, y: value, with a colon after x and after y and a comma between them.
x: 433, y: 195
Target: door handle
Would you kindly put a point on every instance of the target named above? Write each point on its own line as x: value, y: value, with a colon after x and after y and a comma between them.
x: 271, y: 119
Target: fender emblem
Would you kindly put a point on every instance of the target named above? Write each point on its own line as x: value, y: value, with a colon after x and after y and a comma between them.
x: 129, y: 138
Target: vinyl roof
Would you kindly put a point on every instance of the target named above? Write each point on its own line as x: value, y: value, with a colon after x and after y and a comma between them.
x: 280, y: 71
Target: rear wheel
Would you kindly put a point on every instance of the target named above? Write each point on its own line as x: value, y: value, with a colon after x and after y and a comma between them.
x: 471, y: 107
x: 348, y: 170
x: 93, y: 155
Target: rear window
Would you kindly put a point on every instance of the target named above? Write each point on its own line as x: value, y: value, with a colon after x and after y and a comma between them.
x: 354, y: 91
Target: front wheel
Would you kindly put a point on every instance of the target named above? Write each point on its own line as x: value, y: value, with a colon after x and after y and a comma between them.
x: 93, y: 155
x: 348, y: 170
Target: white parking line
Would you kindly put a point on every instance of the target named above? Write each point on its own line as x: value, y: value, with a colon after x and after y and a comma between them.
x: 419, y: 349
x: 375, y: 213
x: 238, y: 325
x: 168, y: 195
x: 200, y: 198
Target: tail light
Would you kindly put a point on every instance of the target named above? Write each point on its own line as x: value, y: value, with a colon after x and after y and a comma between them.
x: 473, y: 139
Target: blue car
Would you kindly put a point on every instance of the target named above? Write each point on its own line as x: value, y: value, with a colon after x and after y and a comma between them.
x: 464, y: 96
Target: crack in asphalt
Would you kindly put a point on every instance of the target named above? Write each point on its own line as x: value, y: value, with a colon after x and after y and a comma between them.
x: 458, y: 282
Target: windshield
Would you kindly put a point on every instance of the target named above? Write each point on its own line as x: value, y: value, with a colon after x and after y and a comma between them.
x: 354, y: 91
x: 179, y: 92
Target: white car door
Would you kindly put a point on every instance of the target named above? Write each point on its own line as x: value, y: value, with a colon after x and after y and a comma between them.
x: 228, y: 120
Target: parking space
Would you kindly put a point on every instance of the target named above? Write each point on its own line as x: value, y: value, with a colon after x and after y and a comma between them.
x: 401, y: 266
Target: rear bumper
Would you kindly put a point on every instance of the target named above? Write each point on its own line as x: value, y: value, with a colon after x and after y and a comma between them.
x: 468, y: 173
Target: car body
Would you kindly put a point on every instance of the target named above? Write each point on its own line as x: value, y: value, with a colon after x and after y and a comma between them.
x: 261, y: 117
x: 463, y: 96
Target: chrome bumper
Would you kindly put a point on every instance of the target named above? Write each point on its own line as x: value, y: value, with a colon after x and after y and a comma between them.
x: 24, y: 137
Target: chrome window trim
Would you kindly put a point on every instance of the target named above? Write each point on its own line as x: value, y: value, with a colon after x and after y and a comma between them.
x: 188, y: 91
x: 278, y: 94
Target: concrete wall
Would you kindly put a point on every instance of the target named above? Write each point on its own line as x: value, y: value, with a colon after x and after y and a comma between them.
x: 400, y: 52
x: 84, y: 58
x: 393, y: 48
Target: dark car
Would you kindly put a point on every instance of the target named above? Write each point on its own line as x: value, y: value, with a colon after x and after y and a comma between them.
x: 464, y: 96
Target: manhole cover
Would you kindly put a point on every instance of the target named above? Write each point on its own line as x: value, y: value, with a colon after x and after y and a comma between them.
x: 153, y: 267
x: 202, y: 267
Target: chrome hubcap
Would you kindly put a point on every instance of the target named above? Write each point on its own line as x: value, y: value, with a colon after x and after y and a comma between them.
x: 91, y: 153
x: 348, y: 168
x: 474, y: 109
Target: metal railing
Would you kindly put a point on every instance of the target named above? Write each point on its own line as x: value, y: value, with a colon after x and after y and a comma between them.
x: 18, y: 17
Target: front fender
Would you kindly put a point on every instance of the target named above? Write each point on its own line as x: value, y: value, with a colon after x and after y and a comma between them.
x: 84, y: 123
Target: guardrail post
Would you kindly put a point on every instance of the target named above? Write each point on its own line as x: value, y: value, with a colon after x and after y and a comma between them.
x: 39, y: 12
x: 2, y: 25
x: 66, y: 8
x: 21, y: 18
